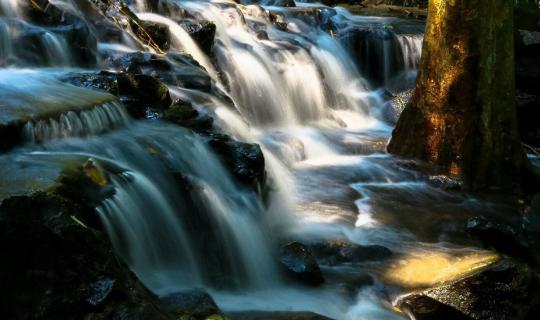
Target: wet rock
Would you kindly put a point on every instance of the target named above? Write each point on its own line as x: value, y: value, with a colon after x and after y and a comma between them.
x: 177, y: 69
x: 300, y: 263
x: 339, y: 251
x: 499, y: 236
x: 244, y: 160
x: 118, y: 13
x: 42, y: 12
x: 138, y: 92
x: 421, y: 307
x: 445, y: 182
x: 159, y: 33
x: 86, y: 184
x: 60, y: 268
x: 505, y: 290
x: 195, y: 303
x: 183, y: 114
x: 275, y: 315
x: 279, y: 20
x: 202, y: 33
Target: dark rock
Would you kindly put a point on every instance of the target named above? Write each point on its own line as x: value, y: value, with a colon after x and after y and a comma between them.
x: 182, y: 113
x: 499, y: 236
x: 275, y: 315
x: 193, y: 303
x: 159, y: 33
x: 119, y: 14
x: 505, y: 290
x: 244, y: 160
x: 445, y: 182
x: 138, y: 92
x: 59, y: 268
x: 42, y: 12
x: 421, y: 307
x: 86, y: 185
x: 177, y: 69
x: 279, y: 20
x: 338, y: 251
x: 300, y: 263
x: 203, y: 33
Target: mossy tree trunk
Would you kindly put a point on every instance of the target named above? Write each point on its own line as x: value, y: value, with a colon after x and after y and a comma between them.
x: 462, y: 115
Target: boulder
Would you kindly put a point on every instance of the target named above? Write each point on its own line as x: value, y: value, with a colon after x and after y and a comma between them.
x: 339, y: 251
x: 183, y: 114
x: 60, y: 268
x: 300, y: 263
x: 159, y: 33
x: 139, y: 93
x: 202, y: 33
x: 245, y: 161
x: 147, y: 33
x: 195, y: 303
x: 178, y: 69
x: 505, y: 290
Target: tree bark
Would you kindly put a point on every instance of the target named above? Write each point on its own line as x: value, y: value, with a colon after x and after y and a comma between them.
x: 462, y: 115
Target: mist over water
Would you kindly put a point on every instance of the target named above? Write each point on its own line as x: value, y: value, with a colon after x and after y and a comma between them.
x: 310, y: 85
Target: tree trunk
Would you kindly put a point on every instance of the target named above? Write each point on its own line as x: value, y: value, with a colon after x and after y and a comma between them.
x: 462, y: 115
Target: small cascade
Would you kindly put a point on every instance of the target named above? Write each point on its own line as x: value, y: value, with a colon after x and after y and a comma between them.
x: 72, y: 124
x: 29, y: 38
x: 181, y: 40
x: 177, y: 217
x: 382, y: 48
x: 293, y: 77
x: 411, y: 48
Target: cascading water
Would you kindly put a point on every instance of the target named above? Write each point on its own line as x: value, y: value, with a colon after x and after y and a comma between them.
x: 95, y: 121
x: 301, y: 80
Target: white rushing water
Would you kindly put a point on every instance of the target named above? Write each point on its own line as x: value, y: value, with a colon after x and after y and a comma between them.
x: 97, y: 120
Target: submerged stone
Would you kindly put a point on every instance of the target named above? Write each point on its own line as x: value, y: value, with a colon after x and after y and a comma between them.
x: 195, y: 303
x: 300, y: 263
x: 338, y: 251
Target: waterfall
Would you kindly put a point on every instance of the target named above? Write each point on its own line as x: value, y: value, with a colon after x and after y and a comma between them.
x: 177, y: 217
x: 301, y: 82
x: 293, y: 77
x: 97, y: 120
x: 181, y: 40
